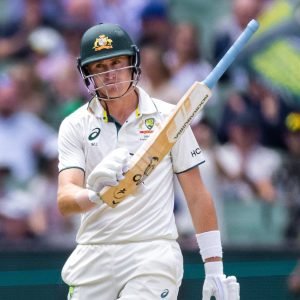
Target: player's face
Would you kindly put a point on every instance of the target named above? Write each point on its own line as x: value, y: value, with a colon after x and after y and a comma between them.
x: 112, y: 77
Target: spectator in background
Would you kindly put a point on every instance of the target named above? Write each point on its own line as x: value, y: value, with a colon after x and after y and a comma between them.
x: 66, y: 92
x: 34, y: 90
x: 155, y: 24
x: 77, y: 12
x: 15, y: 208
x: 288, y: 178
x: 47, y: 51
x: 155, y: 76
x: 30, y: 214
x: 14, y: 43
x: 228, y: 30
x: 184, y: 58
x: 15, y: 211
x: 71, y: 33
x: 269, y: 108
x: 47, y: 222
x: 245, y: 165
x: 62, y: 86
x: 11, y: 13
x: 127, y: 13
x: 272, y: 110
x: 22, y: 134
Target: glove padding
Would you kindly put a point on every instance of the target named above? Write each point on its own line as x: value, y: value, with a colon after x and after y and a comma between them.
x: 218, y: 285
x: 109, y: 171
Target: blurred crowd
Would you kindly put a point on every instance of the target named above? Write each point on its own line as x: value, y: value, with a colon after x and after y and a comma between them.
x: 249, y: 134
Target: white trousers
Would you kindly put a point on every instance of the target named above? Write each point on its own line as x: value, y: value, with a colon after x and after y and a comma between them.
x: 142, y: 271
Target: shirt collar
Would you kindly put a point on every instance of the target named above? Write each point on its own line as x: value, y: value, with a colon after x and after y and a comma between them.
x: 146, y: 106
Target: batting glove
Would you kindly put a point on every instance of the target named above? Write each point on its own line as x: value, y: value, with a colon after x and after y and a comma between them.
x: 109, y: 171
x: 218, y: 285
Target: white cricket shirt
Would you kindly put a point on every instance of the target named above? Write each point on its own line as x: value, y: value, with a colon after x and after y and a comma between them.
x: 87, y: 136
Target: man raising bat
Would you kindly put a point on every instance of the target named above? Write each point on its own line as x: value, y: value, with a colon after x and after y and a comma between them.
x: 128, y: 249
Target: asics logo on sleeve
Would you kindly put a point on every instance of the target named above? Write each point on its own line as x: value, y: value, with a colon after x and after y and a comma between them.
x: 95, y: 132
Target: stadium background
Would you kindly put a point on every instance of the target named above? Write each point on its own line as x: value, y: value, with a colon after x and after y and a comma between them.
x: 35, y: 273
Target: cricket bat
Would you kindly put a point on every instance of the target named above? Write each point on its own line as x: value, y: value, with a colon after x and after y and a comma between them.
x: 151, y: 153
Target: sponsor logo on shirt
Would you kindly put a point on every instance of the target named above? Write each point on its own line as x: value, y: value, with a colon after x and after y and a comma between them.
x: 93, y: 135
x: 146, y: 128
x: 195, y: 152
x: 164, y: 294
x: 149, y: 123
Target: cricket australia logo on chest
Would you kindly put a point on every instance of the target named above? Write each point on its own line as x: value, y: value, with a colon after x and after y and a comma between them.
x: 146, y: 128
x: 93, y: 135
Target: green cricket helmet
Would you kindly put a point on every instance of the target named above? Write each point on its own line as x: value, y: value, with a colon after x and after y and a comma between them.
x: 104, y: 41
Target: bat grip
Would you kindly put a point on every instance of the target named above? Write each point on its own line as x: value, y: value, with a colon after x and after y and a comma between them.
x: 212, y: 78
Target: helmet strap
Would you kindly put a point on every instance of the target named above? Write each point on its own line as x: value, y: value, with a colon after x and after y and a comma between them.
x: 83, y: 73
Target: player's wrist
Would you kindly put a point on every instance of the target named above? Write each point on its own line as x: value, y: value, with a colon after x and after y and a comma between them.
x: 214, y: 268
x: 210, y: 245
x: 94, y: 197
x: 86, y: 199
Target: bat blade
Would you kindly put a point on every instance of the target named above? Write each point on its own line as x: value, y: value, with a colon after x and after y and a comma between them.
x: 152, y: 152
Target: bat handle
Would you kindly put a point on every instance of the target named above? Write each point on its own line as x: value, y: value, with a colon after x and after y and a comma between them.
x: 212, y: 78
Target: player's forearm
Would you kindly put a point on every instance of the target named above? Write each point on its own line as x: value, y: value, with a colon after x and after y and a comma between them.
x: 73, y: 199
x: 206, y: 226
x: 203, y: 213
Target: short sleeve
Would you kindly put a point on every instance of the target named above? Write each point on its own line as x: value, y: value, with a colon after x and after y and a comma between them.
x: 186, y: 152
x: 70, y: 146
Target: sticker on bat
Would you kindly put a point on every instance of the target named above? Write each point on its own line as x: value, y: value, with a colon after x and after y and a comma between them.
x: 119, y: 194
x: 138, y: 178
